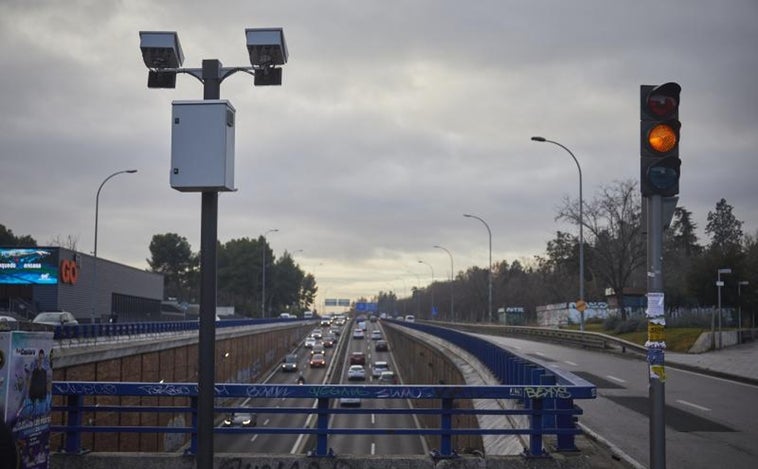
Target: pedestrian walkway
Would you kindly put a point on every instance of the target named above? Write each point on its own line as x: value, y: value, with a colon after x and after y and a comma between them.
x: 738, y: 362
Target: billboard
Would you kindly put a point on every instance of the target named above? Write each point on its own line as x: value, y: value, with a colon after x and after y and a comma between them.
x: 28, y: 266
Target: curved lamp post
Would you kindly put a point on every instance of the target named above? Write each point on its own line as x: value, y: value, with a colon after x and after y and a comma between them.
x: 97, y: 212
x: 489, y: 267
x: 431, y: 285
x: 263, y: 269
x: 452, y: 314
x: 581, y: 226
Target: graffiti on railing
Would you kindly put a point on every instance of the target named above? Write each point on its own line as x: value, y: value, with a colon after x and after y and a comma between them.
x: 546, y: 392
x: 401, y: 393
x: 273, y: 392
x: 165, y: 390
x: 329, y: 391
x: 85, y: 388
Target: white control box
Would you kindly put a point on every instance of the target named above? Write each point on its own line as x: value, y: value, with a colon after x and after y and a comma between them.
x: 202, y: 146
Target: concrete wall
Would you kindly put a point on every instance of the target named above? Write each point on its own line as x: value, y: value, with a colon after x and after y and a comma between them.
x: 243, y: 355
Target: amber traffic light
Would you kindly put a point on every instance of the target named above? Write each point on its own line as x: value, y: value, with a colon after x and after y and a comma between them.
x: 660, y: 166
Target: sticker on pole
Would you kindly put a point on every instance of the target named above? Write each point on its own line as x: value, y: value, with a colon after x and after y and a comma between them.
x: 654, y: 304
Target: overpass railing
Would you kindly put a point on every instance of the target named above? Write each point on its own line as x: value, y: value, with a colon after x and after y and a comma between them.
x: 548, y: 406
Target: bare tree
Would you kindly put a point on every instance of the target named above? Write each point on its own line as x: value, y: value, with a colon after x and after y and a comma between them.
x: 70, y: 242
x: 612, y: 221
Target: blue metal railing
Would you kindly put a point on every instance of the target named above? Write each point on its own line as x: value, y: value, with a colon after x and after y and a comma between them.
x: 96, y: 330
x: 543, y: 419
x: 546, y: 394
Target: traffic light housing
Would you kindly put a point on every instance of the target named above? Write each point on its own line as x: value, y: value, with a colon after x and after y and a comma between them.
x: 659, y: 139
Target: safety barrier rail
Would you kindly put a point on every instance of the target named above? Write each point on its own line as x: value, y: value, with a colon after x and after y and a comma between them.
x: 548, y: 406
x: 104, y: 330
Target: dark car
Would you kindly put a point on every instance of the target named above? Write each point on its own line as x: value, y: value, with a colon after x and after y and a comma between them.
x: 241, y: 419
x: 381, y: 346
x: 289, y: 363
x: 357, y: 358
x: 318, y: 361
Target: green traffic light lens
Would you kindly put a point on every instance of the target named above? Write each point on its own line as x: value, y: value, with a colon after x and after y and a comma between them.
x: 662, y: 178
x: 662, y: 138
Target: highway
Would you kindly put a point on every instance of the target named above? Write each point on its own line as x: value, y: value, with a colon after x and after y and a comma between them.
x: 334, y: 372
x: 710, y: 422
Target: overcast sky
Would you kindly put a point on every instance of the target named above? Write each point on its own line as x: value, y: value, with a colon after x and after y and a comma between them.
x: 394, y: 119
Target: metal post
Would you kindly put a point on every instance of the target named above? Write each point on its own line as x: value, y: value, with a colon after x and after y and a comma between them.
x: 452, y: 278
x: 656, y: 321
x: 207, y: 333
x: 489, y: 267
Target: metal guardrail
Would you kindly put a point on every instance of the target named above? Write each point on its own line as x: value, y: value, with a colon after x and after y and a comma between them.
x: 104, y: 330
x: 546, y: 395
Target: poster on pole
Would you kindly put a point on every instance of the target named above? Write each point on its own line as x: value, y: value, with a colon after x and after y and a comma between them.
x: 26, y: 378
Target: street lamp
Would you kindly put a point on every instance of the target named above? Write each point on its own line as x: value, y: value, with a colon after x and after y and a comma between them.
x: 739, y: 299
x: 431, y: 286
x: 452, y: 274
x: 719, y: 284
x: 489, y: 267
x: 581, y: 229
x: 263, y: 267
x: 94, y: 267
x: 162, y: 55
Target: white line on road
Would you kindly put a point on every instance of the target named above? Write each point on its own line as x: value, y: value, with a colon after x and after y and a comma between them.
x: 373, y: 419
x: 254, y: 438
x: 698, y: 407
x: 570, y: 363
x: 373, y: 449
x: 618, y: 380
x: 265, y: 422
x: 541, y: 354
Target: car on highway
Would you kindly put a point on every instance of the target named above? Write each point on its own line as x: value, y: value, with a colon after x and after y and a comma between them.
x: 309, y: 342
x: 381, y: 346
x: 318, y: 361
x: 376, y: 334
x: 241, y: 419
x: 55, y: 318
x: 356, y: 373
x: 378, y: 367
x: 410, y: 318
x: 329, y: 341
x: 358, y: 333
x: 350, y: 401
x: 289, y: 362
x: 318, y: 349
x: 357, y: 358
x: 387, y: 377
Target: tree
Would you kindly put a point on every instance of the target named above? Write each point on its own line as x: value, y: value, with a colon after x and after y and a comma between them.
x: 171, y: 255
x: 680, y: 251
x: 286, y: 285
x: 724, y: 228
x: 7, y: 238
x: 70, y: 242
x: 612, y: 221
x: 240, y: 275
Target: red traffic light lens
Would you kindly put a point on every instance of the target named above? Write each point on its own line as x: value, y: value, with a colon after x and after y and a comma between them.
x: 662, y: 105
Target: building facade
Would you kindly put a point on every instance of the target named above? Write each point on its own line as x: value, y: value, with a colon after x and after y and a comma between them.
x: 34, y: 279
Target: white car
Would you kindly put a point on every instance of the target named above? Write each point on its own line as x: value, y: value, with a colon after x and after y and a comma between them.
x: 244, y: 419
x: 378, y: 368
x: 376, y: 334
x: 350, y: 401
x: 356, y: 372
x: 309, y: 342
x: 358, y: 334
x: 55, y: 318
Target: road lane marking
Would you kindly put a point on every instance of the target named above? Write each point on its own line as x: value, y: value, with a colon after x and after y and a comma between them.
x: 373, y: 419
x: 373, y: 448
x: 698, y: 407
x: 541, y: 354
x: 570, y: 363
x: 265, y: 422
x: 253, y: 438
x: 618, y: 380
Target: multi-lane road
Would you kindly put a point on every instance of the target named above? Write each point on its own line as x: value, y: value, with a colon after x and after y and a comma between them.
x: 334, y: 372
x: 710, y: 422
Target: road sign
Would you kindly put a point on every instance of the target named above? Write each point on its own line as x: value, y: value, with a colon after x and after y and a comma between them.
x: 581, y: 305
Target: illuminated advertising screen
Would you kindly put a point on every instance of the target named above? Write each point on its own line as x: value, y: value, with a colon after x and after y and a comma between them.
x: 25, y: 266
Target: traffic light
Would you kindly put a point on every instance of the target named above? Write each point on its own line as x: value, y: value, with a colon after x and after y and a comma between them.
x: 659, y: 139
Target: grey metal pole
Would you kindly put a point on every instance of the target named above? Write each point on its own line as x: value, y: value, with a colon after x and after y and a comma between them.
x: 211, y: 77
x: 452, y: 278
x: 263, y: 267
x: 657, y: 387
x: 739, y: 300
x: 581, y: 225
x: 489, y: 267
x: 94, y: 266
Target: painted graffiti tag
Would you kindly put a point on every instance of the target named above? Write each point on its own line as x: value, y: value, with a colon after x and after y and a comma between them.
x: 547, y: 392
x: 85, y: 388
x: 328, y: 391
x: 165, y: 390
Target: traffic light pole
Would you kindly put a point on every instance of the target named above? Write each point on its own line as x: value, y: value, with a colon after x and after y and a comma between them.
x: 656, y: 325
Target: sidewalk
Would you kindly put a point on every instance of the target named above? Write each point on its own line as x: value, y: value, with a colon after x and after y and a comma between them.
x: 738, y: 362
